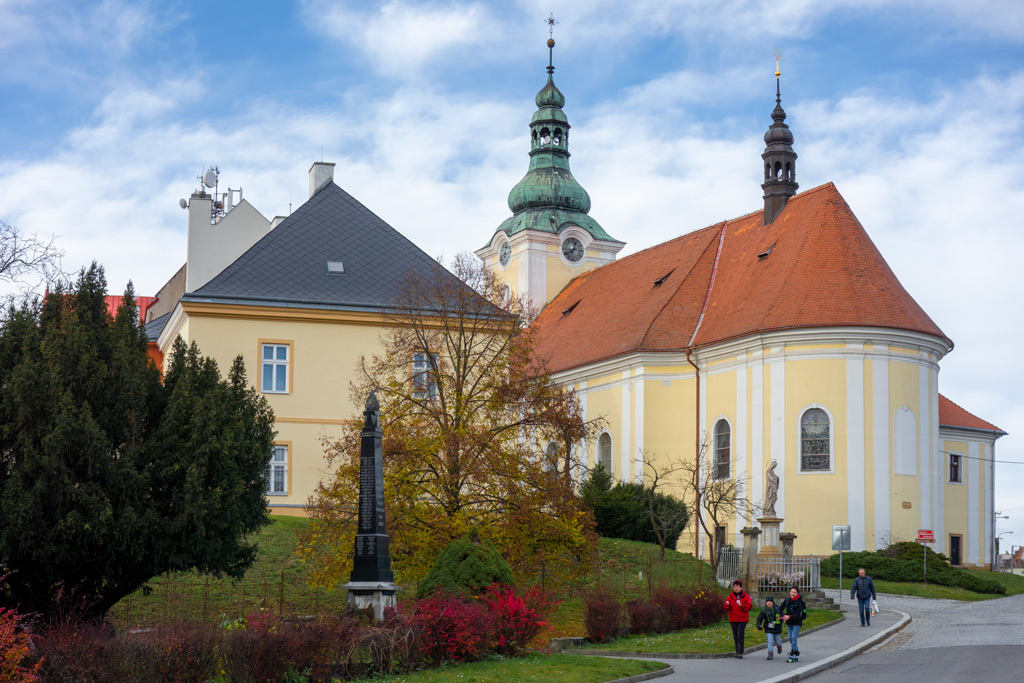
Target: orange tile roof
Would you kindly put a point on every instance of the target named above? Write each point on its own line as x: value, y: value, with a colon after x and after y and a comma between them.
x: 822, y: 271
x: 952, y: 415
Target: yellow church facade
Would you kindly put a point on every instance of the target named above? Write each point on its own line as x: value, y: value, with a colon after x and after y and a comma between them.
x: 779, y: 336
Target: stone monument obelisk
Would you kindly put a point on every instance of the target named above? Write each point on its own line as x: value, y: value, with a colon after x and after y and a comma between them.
x: 372, y: 581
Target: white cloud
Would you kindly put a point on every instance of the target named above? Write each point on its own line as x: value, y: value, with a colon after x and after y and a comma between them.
x: 401, y: 38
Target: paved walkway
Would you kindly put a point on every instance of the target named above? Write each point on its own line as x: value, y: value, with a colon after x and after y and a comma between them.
x: 815, y: 648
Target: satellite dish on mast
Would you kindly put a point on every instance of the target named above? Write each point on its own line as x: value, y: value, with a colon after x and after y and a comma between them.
x: 210, y: 178
x: 182, y: 203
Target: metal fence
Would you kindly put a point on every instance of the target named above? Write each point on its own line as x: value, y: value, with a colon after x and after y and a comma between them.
x: 774, y: 574
x: 777, y: 574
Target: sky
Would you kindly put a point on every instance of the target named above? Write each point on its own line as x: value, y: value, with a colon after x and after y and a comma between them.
x: 110, y: 109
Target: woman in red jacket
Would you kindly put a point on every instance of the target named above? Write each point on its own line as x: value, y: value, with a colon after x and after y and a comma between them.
x: 738, y: 606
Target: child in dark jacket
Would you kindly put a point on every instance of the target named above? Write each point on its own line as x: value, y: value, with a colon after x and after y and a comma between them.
x: 769, y: 620
x: 794, y: 611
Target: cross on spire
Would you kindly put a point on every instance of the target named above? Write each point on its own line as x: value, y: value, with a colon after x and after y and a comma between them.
x: 551, y: 22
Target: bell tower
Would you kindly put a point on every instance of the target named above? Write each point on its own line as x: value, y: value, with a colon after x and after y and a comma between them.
x: 779, y: 158
x: 550, y: 238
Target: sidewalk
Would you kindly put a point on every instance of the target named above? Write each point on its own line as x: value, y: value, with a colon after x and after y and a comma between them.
x: 818, y: 651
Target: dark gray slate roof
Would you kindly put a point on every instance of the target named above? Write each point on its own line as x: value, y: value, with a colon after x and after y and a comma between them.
x: 155, y: 326
x: 288, y: 266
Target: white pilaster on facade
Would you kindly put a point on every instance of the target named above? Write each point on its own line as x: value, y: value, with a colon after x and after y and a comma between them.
x: 777, y: 427
x: 856, y: 493
x: 625, y: 445
x: 971, y: 540
x: 939, y: 473
x: 584, y: 446
x: 757, y: 464
x: 739, y: 437
x: 924, y: 450
x: 880, y: 427
x: 638, y: 428
x: 990, y: 489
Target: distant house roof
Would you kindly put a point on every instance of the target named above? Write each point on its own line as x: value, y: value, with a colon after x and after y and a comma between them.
x: 142, y: 302
x: 952, y: 415
x: 290, y: 265
x: 155, y: 326
x: 813, y: 266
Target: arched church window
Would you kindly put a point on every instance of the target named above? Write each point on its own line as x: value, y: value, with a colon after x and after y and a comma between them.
x: 767, y: 171
x: 723, y: 449
x: 545, y: 136
x: 604, y: 452
x: 551, y: 457
x: 533, y: 136
x: 815, y: 441
x: 778, y: 169
x: 558, y: 136
x: 789, y: 171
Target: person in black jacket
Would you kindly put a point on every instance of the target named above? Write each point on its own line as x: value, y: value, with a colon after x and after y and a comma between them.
x: 794, y: 611
x: 864, y: 588
x: 769, y: 620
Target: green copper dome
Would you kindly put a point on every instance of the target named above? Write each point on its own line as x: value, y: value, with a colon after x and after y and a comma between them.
x: 549, y: 198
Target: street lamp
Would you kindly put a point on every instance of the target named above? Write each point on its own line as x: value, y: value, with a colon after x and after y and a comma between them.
x: 995, y: 516
x: 995, y: 544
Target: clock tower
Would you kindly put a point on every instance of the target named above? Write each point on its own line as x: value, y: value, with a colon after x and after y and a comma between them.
x: 549, y: 239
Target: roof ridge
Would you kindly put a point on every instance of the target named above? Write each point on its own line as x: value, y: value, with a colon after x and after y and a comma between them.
x: 671, y: 298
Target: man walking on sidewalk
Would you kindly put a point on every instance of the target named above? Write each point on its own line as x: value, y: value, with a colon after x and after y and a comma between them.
x: 864, y: 588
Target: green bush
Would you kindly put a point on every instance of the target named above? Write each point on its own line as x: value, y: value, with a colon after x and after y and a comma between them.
x: 910, y: 570
x: 467, y: 564
x: 621, y: 511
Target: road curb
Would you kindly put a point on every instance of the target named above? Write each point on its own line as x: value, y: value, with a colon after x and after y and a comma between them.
x: 650, y: 675
x: 840, y: 657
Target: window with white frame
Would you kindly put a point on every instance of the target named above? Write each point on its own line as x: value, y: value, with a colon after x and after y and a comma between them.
x: 274, y: 368
x: 551, y: 457
x: 723, y: 449
x: 604, y: 452
x: 424, y: 383
x: 815, y: 441
x: 277, y: 472
x: 956, y: 472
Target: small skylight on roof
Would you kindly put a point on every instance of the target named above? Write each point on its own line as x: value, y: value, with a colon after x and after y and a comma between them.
x: 336, y: 267
x: 661, y: 280
x: 570, y: 309
x: 764, y: 254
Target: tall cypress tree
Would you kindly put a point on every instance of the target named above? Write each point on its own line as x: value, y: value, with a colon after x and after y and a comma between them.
x: 109, y: 476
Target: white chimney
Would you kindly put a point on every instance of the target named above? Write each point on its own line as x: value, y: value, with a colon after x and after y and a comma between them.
x: 320, y: 174
x: 276, y: 221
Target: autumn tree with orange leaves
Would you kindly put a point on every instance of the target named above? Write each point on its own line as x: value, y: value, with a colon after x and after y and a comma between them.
x: 476, y: 437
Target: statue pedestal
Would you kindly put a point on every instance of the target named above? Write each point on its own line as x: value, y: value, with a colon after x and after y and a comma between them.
x: 378, y: 595
x: 770, y: 542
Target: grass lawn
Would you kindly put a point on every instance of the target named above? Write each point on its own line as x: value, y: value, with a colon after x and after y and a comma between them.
x: 709, y: 639
x: 562, y: 668
x: 1013, y: 584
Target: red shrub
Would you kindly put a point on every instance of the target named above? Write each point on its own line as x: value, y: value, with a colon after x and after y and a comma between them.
x: 602, y: 616
x: 452, y: 630
x: 16, y: 663
x: 644, y: 617
x: 706, y: 608
x: 673, y: 609
x: 518, y: 619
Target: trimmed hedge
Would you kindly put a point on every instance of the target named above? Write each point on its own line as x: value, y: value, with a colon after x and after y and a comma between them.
x: 909, y: 570
x: 620, y: 511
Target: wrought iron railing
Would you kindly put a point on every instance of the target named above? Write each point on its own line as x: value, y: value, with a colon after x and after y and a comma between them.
x: 728, y: 565
x: 778, y: 574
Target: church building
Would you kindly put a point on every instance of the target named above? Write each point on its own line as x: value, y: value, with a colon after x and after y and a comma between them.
x: 780, y: 335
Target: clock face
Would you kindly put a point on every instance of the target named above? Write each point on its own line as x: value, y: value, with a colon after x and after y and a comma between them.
x: 505, y: 253
x: 572, y: 250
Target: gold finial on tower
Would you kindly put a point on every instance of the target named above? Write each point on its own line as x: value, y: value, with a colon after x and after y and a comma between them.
x: 551, y: 21
x: 777, y: 56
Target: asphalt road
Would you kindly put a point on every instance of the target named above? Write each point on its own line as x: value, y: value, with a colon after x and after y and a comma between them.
x: 947, y: 640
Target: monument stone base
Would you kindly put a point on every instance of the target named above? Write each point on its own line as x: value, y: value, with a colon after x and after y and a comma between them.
x: 378, y: 595
x: 770, y: 542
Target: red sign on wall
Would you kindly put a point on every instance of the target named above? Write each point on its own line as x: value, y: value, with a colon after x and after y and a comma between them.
x: 925, y: 536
